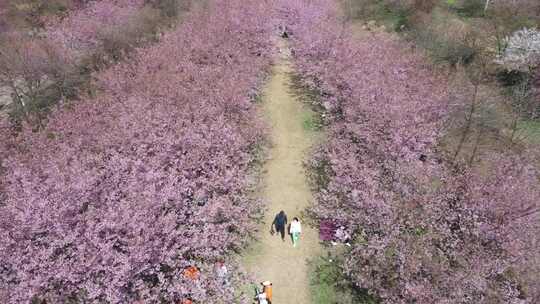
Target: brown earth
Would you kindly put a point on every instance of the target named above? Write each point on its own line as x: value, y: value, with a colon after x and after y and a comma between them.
x: 285, y: 187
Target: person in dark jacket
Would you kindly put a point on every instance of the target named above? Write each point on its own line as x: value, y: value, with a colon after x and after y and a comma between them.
x: 280, y: 221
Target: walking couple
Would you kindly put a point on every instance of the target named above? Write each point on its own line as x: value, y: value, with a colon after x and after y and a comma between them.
x: 295, y: 228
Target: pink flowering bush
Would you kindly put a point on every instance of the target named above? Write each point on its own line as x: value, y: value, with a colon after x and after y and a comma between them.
x: 79, y: 33
x: 423, y: 232
x: 119, y: 194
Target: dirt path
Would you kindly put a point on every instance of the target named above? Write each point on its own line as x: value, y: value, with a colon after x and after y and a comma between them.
x: 285, y: 188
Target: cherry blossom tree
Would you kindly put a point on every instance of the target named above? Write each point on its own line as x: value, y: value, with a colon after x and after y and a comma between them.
x: 424, y: 230
x: 522, y: 52
x: 27, y: 66
x: 119, y: 195
x: 79, y: 33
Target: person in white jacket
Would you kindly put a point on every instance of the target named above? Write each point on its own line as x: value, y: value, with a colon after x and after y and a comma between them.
x: 295, y: 230
x: 261, y: 298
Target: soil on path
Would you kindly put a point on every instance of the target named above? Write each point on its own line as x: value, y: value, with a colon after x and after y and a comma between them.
x: 285, y: 188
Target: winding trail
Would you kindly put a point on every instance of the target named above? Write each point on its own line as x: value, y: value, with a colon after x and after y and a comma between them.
x: 285, y: 188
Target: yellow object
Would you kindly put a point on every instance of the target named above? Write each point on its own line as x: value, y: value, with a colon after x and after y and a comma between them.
x: 268, y: 289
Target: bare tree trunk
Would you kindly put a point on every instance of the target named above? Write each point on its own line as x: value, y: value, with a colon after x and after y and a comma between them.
x: 17, y: 97
x: 514, y: 128
x: 475, y: 149
x: 468, y: 125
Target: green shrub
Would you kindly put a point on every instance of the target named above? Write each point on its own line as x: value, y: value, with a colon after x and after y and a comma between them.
x: 311, y: 121
x: 393, y: 12
x: 329, y: 284
x: 530, y: 130
x: 511, y: 78
x: 54, y: 7
x: 469, y: 8
x: 401, y: 20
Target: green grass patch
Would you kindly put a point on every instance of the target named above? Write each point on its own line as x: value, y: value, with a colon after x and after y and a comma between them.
x: 330, y: 286
x: 257, y: 98
x: 531, y: 130
x: 392, y: 14
x: 469, y: 8
x: 394, y: 17
x: 311, y: 121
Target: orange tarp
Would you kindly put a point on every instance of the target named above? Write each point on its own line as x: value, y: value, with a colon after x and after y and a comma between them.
x: 192, y: 273
x: 268, y: 291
